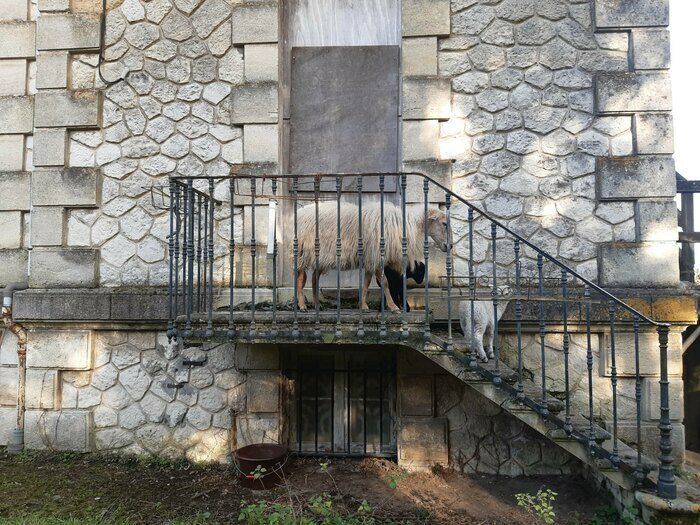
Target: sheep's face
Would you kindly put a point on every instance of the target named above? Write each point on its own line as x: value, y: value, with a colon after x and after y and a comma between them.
x: 437, y: 229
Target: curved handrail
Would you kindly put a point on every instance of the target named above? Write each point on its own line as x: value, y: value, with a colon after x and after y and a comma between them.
x: 478, y: 210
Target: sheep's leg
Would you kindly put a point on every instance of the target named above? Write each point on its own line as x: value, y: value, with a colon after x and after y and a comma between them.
x: 301, y: 282
x: 390, y: 304
x: 365, y: 290
x: 315, y: 276
x: 488, y: 341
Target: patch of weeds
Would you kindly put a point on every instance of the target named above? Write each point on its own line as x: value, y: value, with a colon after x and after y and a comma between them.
x: 539, y: 505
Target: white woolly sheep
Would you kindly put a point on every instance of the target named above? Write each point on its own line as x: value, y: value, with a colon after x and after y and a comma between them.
x: 371, y: 228
x: 484, y: 325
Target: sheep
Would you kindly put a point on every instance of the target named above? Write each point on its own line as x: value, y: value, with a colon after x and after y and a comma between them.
x: 371, y: 228
x: 395, y: 281
x: 484, y: 325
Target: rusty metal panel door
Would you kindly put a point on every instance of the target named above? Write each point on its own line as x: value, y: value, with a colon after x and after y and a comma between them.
x: 344, y: 110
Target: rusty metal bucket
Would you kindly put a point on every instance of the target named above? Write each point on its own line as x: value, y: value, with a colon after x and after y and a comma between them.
x: 269, y: 456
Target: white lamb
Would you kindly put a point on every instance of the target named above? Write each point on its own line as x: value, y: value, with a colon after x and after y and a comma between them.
x: 484, y: 325
x: 371, y: 228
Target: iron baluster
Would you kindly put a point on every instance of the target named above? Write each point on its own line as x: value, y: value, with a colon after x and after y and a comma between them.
x: 231, y: 255
x: 518, y: 321
x: 185, y: 226
x: 199, y: 253
x: 171, y: 256
x: 205, y: 261
x: 210, y: 306
x: 338, y: 260
x: 589, y: 366
x: 666, y: 485
x: 568, y: 428
x: 189, y: 212
x: 543, y: 333
x: 295, y: 251
x: 316, y: 281
x: 360, y: 259
x: 176, y: 267
x: 253, y: 255
x: 426, y: 257
x: 404, y: 259
x: 494, y: 298
x: 273, y: 331
x: 639, y: 470
x: 615, y: 457
x: 382, y: 259
x: 472, y: 290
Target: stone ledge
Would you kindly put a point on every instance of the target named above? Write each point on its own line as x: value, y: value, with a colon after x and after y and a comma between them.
x: 91, y: 305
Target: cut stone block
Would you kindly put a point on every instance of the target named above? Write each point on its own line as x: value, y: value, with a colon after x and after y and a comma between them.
x: 416, y: 395
x: 425, y: 17
x: 8, y: 422
x: 657, y: 220
x: 56, y: 267
x: 66, y: 187
x: 254, y: 23
x: 654, y: 133
x: 41, y: 388
x: 8, y: 349
x: 631, y: 92
x: 8, y: 386
x: 648, y: 354
x: 639, y: 265
x: 14, y: 266
x: 60, y: 109
x: 420, y: 140
x: 626, y: 13
x: 16, y: 114
x: 426, y: 98
x: 13, y: 77
x: 419, y: 56
x: 68, y: 31
x: 49, y: 147
x: 627, y: 432
x: 52, y: 69
x: 261, y: 63
x: 13, y: 10
x: 651, y: 49
x: 47, y: 226
x: 10, y: 229
x: 49, y: 6
x: 64, y: 349
x: 651, y: 399
x: 17, y: 39
x: 12, y: 156
x: 440, y: 172
x: 634, y: 177
x: 254, y: 103
x: 257, y: 428
x: 263, y: 392
x: 260, y: 143
x: 257, y: 357
x: 422, y: 442
x: 57, y: 430
x: 15, y: 190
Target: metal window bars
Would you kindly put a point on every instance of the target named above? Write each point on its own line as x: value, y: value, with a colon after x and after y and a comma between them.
x: 557, y: 312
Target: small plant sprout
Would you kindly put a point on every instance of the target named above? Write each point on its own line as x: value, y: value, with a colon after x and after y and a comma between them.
x: 258, y: 473
x: 539, y: 505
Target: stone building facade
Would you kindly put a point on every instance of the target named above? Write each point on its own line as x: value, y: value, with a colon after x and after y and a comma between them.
x: 551, y: 115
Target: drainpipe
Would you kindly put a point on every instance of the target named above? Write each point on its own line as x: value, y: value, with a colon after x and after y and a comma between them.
x: 16, y: 443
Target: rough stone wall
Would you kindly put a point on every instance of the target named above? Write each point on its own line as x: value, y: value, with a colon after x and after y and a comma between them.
x: 544, y: 108
x: 443, y: 421
x: 113, y: 391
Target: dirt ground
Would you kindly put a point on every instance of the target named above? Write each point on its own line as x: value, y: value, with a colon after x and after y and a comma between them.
x: 49, y: 488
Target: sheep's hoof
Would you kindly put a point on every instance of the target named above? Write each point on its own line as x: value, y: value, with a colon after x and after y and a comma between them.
x: 302, y: 308
x: 364, y: 308
x: 484, y: 359
x: 395, y: 309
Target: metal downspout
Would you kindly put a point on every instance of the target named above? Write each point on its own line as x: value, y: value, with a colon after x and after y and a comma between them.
x: 16, y: 443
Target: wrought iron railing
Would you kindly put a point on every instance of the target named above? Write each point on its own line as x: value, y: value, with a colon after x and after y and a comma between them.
x: 497, y: 265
